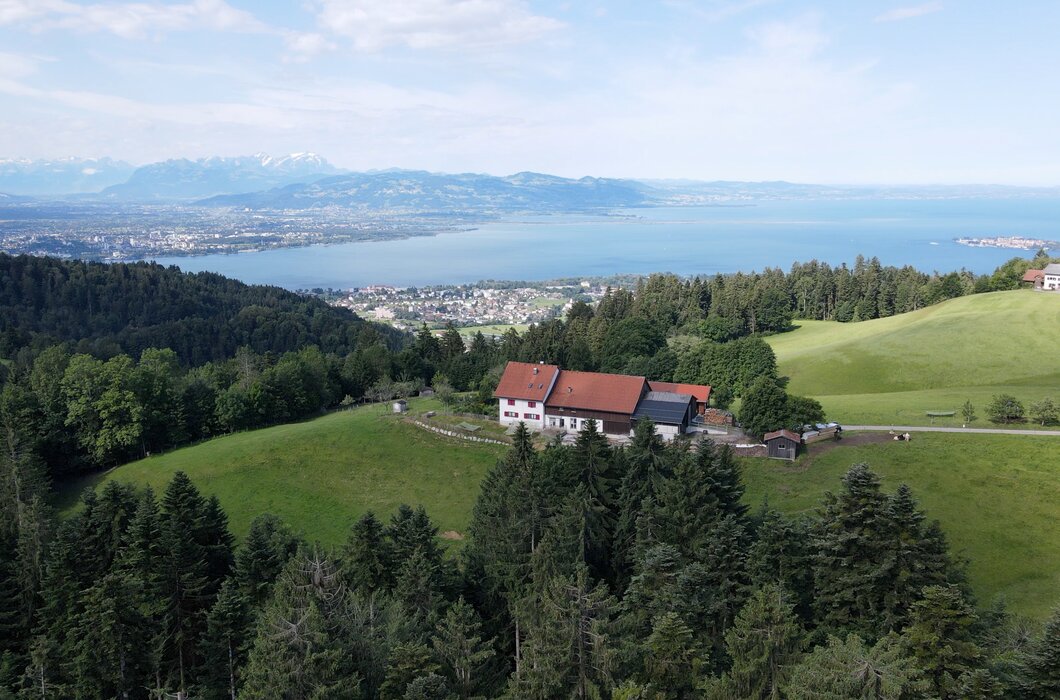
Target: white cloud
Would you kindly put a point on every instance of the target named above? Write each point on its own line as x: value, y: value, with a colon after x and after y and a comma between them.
x: 302, y: 46
x: 129, y: 19
x: 900, y: 13
x: 428, y: 24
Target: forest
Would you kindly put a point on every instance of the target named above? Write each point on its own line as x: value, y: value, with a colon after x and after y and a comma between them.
x: 589, y: 572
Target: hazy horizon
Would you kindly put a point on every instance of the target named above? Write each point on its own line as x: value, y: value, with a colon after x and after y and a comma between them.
x: 875, y: 93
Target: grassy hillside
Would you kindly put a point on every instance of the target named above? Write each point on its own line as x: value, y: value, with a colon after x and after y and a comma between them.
x: 995, y: 495
x: 321, y: 475
x: 893, y: 370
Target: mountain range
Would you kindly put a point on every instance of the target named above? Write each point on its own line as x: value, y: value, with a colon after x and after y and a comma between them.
x: 307, y: 181
x: 406, y: 191
x: 49, y: 178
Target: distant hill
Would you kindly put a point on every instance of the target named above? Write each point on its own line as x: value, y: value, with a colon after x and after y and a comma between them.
x: 891, y: 371
x: 419, y: 191
x: 126, y: 307
x: 184, y: 179
x: 62, y: 176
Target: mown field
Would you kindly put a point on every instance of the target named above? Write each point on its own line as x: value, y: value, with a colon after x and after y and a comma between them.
x: 321, y: 475
x: 995, y: 495
x: 894, y: 370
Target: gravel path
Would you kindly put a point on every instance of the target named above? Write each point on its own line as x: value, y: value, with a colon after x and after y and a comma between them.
x: 936, y: 429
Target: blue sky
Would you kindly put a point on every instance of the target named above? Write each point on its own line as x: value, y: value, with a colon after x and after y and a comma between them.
x: 872, y: 91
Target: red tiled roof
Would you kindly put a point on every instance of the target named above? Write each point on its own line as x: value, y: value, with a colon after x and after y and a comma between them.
x: 1033, y: 275
x: 523, y: 380
x: 782, y: 433
x: 593, y: 391
x: 700, y: 391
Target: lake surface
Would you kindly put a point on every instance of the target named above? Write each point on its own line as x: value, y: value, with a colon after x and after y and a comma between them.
x: 682, y: 240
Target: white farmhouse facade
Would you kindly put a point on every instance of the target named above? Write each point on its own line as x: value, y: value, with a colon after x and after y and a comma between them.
x: 1051, y: 277
x: 522, y: 391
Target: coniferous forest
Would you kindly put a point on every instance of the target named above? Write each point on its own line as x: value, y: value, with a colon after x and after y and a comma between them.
x: 589, y: 571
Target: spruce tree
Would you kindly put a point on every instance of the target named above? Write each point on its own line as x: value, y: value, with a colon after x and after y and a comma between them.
x: 407, y: 662
x: 847, y: 668
x: 217, y: 541
x: 1041, y: 664
x: 592, y: 457
x: 673, y: 661
x: 851, y: 548
x: 268, y: 546
x: 367, y: 560
x: 763, y: 644
x: 462, y: 650
x: 647, y: 468
x: 939, y: 637
x: 782, y: 554
x: 224, y: 647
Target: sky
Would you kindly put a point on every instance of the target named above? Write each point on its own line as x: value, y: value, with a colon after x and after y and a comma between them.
x: 869, y: 91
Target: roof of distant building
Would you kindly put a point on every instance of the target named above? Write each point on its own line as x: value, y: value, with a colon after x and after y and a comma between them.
x: 782, y: 433
x: 700, y: 391
x: 664, y: 407
x: 526, y: 381
x: 593, y: 391
x: 1032, y: 275
x: 1052, y: 269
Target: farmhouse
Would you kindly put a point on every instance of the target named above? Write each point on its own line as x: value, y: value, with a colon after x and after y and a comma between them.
x: 522, y: 391
x: 609, y: 399
x: 544, y: 396
x: 1051, y: 277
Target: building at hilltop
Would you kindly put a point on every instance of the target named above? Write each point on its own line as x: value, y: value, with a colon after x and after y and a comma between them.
x: 1051, y: 277
x: 547, y: 397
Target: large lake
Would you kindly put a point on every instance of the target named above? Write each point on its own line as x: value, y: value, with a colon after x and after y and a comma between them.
x: 683, y: 240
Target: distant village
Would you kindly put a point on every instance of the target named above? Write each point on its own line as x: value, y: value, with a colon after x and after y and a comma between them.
x: 492, y: 306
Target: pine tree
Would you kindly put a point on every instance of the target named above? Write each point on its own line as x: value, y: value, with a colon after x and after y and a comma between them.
x: 568, y: 649
x: 851, y: 549
x: 304, y: 647
x: 763, y: 644
x: 647, y: 468
x: 724, y: 559
x: 782, y: 554
x: 407, y: 662
x: 266, y: 550
x: 673, y: 660
x: 593, y: 460
x: 464, y: 653
x: 184, y: 582
x: 367, y: 560
x: 939, y: 637
x: 225, y: 644
x: 217, y: 541
x: 111, y: 657
x: 1042, y: 663
x: 845, y: 669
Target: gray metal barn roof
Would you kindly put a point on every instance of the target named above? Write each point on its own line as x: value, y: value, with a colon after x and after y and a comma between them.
x: 664, y: 407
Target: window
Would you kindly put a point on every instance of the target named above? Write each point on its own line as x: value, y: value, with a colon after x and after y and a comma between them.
x: 574, y: 422
x: 511, y: 402
x: 531, y: 416
x: 531, y: 404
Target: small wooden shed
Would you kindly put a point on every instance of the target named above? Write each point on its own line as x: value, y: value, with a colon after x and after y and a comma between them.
x: 400, y: 406
x: 782, y: 444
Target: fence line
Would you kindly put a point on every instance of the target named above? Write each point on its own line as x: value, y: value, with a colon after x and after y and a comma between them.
x: 459, y: 436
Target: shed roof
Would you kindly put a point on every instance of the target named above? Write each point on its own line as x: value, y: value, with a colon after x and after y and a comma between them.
x: 1032, y: 275
x: 782, y: 433
x: 526, y: 381
x: 594, y: 391
x: 700, y: 391
x: 664, y: 407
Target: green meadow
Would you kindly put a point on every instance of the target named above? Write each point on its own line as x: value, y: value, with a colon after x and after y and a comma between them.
x: 321, y: 475
x: 894, y: 370
x: 995, y: 495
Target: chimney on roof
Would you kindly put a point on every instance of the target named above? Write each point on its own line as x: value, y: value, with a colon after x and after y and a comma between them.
x: 535, y: 370
x: 570, y: 389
